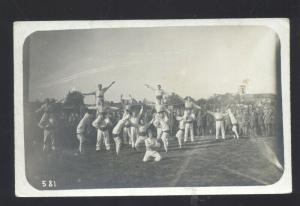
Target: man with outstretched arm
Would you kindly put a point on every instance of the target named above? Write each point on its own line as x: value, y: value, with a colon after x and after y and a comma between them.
x: 159, y: 93
x: 99, y: 94
x: 219, y: 117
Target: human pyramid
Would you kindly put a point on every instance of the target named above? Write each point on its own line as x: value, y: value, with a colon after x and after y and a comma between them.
x: 131, y: 124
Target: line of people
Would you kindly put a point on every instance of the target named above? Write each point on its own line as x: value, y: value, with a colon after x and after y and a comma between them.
x: 128, y: 126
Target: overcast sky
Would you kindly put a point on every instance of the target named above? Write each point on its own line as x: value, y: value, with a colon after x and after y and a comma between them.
x: 194, y: 61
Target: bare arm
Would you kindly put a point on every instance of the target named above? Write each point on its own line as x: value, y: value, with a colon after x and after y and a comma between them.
x: 149, y: 123
x: 197, y: 106
x: 149, y: 87
x: 96, y: 121
x: 90, y: 93
x: 44, y: 121
x: 39, y: 109
x: 141, y: 112
x: 106, y: 88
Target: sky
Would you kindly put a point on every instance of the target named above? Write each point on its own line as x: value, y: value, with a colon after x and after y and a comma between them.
x: 193, y: 61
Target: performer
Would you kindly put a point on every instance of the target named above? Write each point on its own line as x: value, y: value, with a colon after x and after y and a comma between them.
x: 189, y: 116
x: 200, y: 119
x: 44, y: 106
x: 82, y: 130
x: 126, y: 128
x: 163, y: 120
x: 189, y: 119
x: 151, y: 145
x: 234, y: 123
x: 118, y: 129
x: 159, y: 93
x: 102, y: 123
x: 142, y: 132
x: 134, y: 120
x: 219, y: 117
x: 99, y: 94
x: 49, y: 123
x: 181, y: 128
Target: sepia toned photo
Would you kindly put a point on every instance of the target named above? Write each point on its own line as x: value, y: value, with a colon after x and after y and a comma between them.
x: 186, y: 107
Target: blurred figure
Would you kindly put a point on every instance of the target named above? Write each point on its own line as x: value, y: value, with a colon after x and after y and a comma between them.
x: 189, y: 119
x: 260, y: 123
x: 159, y: 93
x: 234, y: 123
x: 142, y: 131
x: 102, y: 123
x: 181, y: 128
x: 82, y: 131
x: 162, y: 120
x: 245, y: 123
x: 99, y: 94
x: 267, y: 121
x: 117, y: 131
x: 134, y: 120
x: 49, y: 123
x: 151, y: 146
x: 219, y: 118
x: 253, y: 123
x: 200, y: 120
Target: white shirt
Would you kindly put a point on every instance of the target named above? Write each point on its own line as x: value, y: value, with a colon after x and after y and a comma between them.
x: 189, y: 117
x: 159, y: 92
x: 101, y: 122
x: 181, y: 122
x: 232, y: 118
x: 84, y: 122
x: 118, y: 128
x: 151, y: 144
x: 134, y: 120
x: 164, y: 123
x: 218, y: 115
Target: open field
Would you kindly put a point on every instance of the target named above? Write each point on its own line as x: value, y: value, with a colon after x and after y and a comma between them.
x: 206, y: 162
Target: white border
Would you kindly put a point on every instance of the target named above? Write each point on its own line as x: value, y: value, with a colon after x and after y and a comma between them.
x: 24, y: 29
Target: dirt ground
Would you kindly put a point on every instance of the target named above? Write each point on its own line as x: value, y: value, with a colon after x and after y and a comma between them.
x: 205, y: 162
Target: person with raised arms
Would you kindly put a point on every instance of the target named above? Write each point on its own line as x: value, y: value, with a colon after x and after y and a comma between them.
x: 159, y: 93
x: 99, y: 94
x: 102, y: 124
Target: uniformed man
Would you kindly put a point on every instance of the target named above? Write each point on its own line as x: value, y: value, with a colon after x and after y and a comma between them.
x: 219, y: 118
x: 82, y: 130
x: 102, y: 124
x: 159, y: 93
x: 151, y: 148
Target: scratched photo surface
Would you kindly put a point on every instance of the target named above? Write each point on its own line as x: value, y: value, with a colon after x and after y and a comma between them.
x: 186, y: 106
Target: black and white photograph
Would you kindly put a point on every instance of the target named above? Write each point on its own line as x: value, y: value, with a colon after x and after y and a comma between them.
x: 171, y: 107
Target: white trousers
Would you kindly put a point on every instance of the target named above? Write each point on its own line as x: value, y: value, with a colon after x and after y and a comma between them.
x: 133, y: 136
x: 49, y: 140
x: 82, y: 140
x: 180, y: 136
x: 158, y: 133
x: 151, y: 155
x: 164, y: 138
x: 102, y: 136
x: 234, y: 129
x: 126, y: 135
x: 118, y: 143
x: 189, y: 129
x: 220, y: 126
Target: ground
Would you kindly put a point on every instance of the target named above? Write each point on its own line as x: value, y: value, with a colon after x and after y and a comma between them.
x: 205, y: 162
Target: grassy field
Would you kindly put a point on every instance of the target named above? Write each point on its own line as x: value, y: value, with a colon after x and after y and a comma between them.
x: 206, y: 162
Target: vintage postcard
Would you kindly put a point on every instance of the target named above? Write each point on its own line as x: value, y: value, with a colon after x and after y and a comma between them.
x: 152, y: 107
